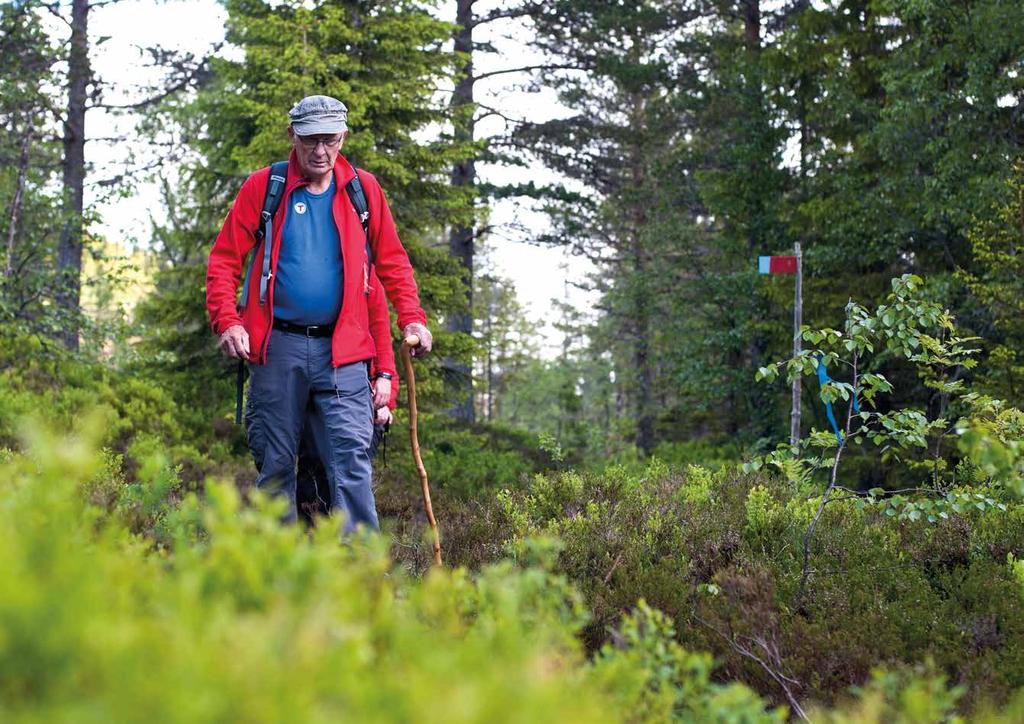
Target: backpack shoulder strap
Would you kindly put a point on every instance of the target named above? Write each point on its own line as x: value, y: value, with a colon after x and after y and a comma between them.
x: 271, y: 202
x: 272, y: 197
x: 358, y: 198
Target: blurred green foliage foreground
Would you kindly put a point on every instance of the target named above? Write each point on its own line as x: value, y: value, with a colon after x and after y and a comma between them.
x: 241, y: 619
x: 232, y: 617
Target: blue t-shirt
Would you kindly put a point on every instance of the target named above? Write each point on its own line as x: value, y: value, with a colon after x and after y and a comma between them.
x: 308, y: 288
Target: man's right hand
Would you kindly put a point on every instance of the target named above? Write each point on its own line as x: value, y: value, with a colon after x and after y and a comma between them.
x: 426, y: 339
x: 235, y: 342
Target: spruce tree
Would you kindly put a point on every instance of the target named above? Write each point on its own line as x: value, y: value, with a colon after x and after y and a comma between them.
x: 622, y: 126
x: 385, y: 61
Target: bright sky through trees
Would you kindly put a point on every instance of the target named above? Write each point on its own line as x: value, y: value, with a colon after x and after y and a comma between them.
x: 195, y: 26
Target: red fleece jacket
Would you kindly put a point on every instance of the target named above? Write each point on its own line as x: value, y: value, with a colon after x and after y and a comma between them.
x: 352, y: 340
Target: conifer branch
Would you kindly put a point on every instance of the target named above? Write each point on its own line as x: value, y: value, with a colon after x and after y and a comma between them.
x: 529, y: 68
x: 525, y: 10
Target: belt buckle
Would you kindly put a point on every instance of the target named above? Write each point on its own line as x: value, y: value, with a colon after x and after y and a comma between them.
x: 310, y: 329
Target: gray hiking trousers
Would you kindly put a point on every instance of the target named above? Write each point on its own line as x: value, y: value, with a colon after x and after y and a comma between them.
x: 297, y: 386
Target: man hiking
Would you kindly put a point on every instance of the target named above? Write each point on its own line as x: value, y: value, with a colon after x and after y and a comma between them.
x: 304, y: 323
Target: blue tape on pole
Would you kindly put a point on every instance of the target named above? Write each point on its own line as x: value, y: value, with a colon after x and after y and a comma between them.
x: 824, y: 379
x: 764, y: 265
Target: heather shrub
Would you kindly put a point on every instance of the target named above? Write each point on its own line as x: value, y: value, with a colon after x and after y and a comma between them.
x: 899, y: 697
x: 669, y: 683
x: 464, y: 461
x: 884, y: 590
x: 621, y: 535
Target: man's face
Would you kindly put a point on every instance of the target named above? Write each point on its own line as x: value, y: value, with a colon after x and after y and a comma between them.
x: 316, y: 154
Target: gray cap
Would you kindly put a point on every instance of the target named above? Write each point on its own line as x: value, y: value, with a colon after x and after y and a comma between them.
x: 318, y: 114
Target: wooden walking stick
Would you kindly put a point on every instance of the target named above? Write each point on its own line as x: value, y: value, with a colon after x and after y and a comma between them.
x: 410, y: 381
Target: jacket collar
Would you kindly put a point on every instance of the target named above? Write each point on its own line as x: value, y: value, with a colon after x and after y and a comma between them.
x: 343, y: 173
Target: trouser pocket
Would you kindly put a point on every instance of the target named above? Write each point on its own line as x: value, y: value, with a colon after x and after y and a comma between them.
x: 345, y: 414
x: 353, y: 400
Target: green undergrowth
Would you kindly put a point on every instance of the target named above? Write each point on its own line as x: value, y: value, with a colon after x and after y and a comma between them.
x: 44, y: 382
x: 465, y: 461
x: 226, y: 615
x: 721, y: 553
x: 144, y: 579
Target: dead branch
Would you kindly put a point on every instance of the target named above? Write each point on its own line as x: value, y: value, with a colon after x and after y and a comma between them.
x: 781, y: 679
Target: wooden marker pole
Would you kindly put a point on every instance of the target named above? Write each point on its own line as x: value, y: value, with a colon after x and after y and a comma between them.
x: 410, y: 381
x: 798, y: 320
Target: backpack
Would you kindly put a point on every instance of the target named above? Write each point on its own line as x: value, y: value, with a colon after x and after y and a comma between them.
x: 271, y: 203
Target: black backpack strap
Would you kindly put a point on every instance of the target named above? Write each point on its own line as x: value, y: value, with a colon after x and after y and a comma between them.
x: 358, y: 198
x: 271, y: 201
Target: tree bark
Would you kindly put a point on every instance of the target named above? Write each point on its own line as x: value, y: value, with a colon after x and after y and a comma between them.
x: 69, y: 259
x: 642, y: 363
x: 489, y: 409
x: 752, y: 24
x: 19, y: 193
x: 756, y: 237
x: 460, y: 240
x: 798, y: 318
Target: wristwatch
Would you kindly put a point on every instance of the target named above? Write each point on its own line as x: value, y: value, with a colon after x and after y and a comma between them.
x: 383, y: 375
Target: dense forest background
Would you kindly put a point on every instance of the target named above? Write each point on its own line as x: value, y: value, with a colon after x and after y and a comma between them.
x: 883, y: 136
x: 697, y: 135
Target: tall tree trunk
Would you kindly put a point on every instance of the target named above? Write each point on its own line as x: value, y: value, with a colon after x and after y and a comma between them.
x: 69, y: 259
x: 752, y: 24
x: 489, y: 410
x: 460, y: 241
x: 19, y: 194
x: 643, y: 364
x: 642, y: 357
x: 757, y: 400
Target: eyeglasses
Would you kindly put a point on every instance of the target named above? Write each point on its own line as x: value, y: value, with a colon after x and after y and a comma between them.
x: 311, y: 142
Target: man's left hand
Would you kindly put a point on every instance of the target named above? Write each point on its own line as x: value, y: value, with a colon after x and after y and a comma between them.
x: 423, y: 334
x: 381, y: 391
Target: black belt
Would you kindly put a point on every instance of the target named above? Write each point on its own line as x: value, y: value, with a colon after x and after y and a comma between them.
x: 313, y: 330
